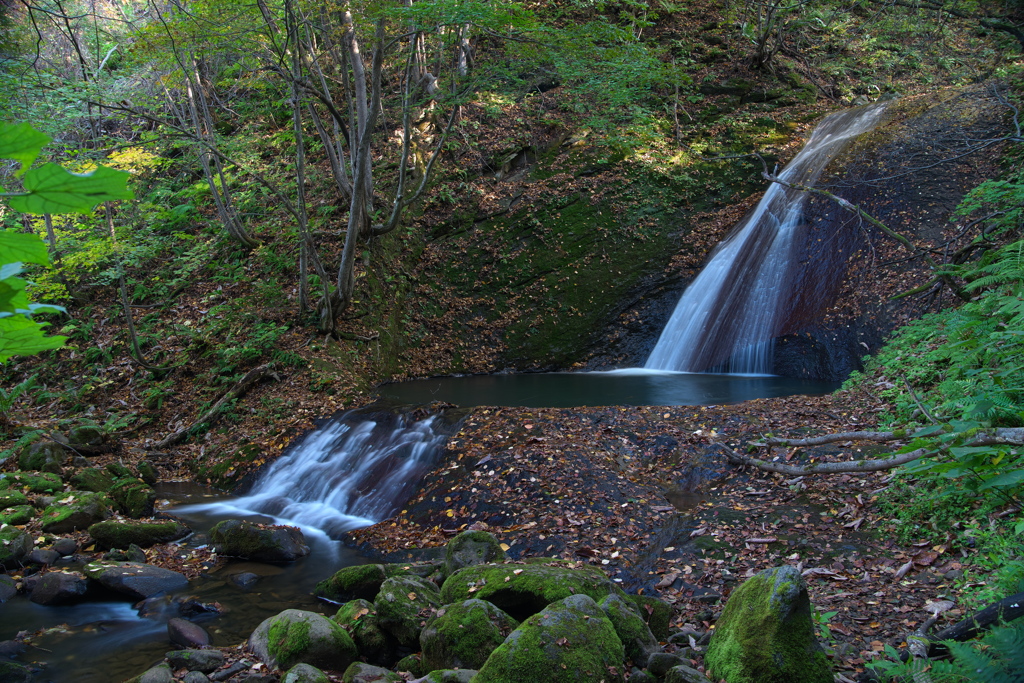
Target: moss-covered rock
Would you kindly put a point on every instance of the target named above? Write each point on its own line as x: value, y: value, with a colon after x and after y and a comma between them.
x: 523, y: 590
x: 86, y: 435
x: 359, y: 618
x: 75, y: 510
x: 352, y: 583
x: 450, y: 676
x: 11, y: 498
x: 148, y: 472
x: 34, y: 482
x: 14, y: 545
x: 133, y: 496
x: 295, y: 636
x: 463, y: 635
x: 119, y: 470
x: 656, y: 612
x: 19, y: 514
x: 412, y: 663
x: 633, y: 631
x: 93, y: 479
x: 569, y: 641
x: 112, y: 534
x: 358, y: 672
x: 471, y: 548
x: 766, y: 635
x: 304, y: 673
x: 257, y: 542
x: 402, y: 605
x: 44, y: 456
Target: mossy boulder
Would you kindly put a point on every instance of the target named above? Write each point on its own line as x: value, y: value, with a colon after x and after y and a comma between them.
x: 402, y: 605
x: 463, y: 635
x: 86, y: 435
x: 34, y: 482
x: 450, y: 676
x: 632, y: 630
x: 523, y: 590
x: 412, y: 664
x: 111, y: 534
x: 75, y: 510
x: 656, y: 612
x: 304, y: 673
x: 12, y: 672
x: 133, y: 496
x: 766, y: 635
x: 472, y: 548
x: 148, y: 472
x: 119, y: 470
x: 257, y: 542
x: 295, y: 636
x: 12, y: 498
x: 15, y: 544
x: 44, y: 456
x: 569, y: 641
x: 352, y: 583
x: 359, y: 672
x: 19, y: 514
x: 206, y: 660
x: 93, y: 479
x: 359, y: 618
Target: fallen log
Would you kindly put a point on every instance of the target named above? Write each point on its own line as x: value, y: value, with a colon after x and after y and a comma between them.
x: 972, y: 626
x: 853, y: 466
x: 1012, y: 436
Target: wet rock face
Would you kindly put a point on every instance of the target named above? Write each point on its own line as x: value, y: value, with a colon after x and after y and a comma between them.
x: 184, y: 633
x: 262, y: 544
x: 59, y: 588
x: 137, y: 581
x: 766, y: 634
x: 295, y: 636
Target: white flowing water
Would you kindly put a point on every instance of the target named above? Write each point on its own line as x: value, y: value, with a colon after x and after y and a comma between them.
x: 734, y: 308
x: 353, y: 471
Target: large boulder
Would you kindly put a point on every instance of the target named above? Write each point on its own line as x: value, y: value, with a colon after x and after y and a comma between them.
x: 463, y: 635
x: 92, y: 479
x: 569, y: 641
x: 15, y: 544
x: 632, y: 630
x: 134, y: 497
x: 295, y: 636
x: 523, y: 590
x: 360, y: 582
x: 35, y: 482
x: 75, y: 510
x: 359, y: 618
x: 44, y: 456
x: 472, y: 548
x: 134, y: 579
x: 196, y: 660
x: 59, y: 588
x: 766, y: 635
x: 111, y: 534
x: 256, y: 542
x: 403, y: 604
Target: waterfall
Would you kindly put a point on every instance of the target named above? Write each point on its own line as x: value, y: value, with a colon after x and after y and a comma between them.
x: 352, y: 471
x: 729, y: 315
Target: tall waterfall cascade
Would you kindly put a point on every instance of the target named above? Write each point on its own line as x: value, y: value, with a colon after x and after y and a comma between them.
x: 351, y: 472
x: 729, y: 315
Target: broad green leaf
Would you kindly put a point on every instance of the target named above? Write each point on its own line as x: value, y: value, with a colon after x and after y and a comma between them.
x: 1012, y: 478
x: 9, y: 270
x: 20, y: 336
x: 12, y: 295
x: 53, y: 189
x: 19, y: 247
x: 21, y: 142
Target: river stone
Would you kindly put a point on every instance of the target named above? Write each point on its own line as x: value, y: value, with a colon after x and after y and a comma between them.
x: 59, y: 588
x: 360, y: 672
x: 196, y: 660
x: 12, y: 672
x: 195, y: 677
x: 65, y: 546
x: 636, y: 637
x: 684, y: 674
x: 111, y: 534
x: 41, y: 556
x: 450, y: 676
x: 359, y: 618
x: 19, y: 514
x: 75, y: 510
x: 92, y: 479
x: 136, y: 580
x: 134, y: 497
x: 15, y: 544
x: 463, y: 635
x: 35, y: 482
x: 187, y: 634
x: 304, y: 673
x: 656, y: 612
x: 250, y: 541
x: 766, y: 634
x: 8, y: 588
x: 44, y: 456
x: 471, y: 548
x: 86, y: 435
x: 352, y: 583
x: 569, y: 641
x: 403, y: 603
x: 295, y: 636
x: 245, y: 580
x: 527, y: 592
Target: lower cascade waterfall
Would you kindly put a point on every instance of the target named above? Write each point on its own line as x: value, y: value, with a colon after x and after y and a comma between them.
x: 353, y: 471
x: 729, y: 315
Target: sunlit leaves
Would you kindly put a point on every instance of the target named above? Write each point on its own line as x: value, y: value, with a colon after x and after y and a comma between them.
x: 53, y: 189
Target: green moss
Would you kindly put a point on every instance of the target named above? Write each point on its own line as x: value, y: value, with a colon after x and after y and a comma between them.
x: 10, y: 498
x: 287, y: 640
x: 20, y: 514
x: 75, y: 510
x: 225, y: 470
x: 472, y: 547
x: 633, y: 632
x: 657, y: 613
x: 399, y: 604
x: 350, y: 583
x: 765, y: 633
x: 412, y: 663
x: 14, y: 544
x: 36, y: 482
x: 133, y: 496
x: 123, y: 534
x: 46, y: 456
x: 92, y: 479
x: 464, y: 634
